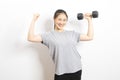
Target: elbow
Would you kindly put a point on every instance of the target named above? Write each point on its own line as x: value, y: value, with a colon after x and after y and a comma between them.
x: 90, y: 38
x: 29, y: 39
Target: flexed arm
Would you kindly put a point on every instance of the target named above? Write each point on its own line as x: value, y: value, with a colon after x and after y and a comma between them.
x: 31, y: 34
x: 90, y: 32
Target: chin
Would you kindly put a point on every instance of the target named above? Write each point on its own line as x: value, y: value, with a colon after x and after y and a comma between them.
x: 60, y: 28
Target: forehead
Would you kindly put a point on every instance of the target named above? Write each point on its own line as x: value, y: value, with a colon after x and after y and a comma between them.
x: 61, y: 15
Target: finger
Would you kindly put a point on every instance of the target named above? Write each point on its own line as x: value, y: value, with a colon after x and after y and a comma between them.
x: 87, y: 14
x: 36, y: 15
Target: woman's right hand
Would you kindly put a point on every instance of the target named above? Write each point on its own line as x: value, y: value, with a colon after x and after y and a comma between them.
x: 36, y: 16
x: 31, y: 35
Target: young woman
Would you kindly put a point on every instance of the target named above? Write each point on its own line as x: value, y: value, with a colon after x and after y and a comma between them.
x: 62, y: 45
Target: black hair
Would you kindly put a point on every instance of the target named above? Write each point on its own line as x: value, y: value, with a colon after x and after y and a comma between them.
x: 58, y: 12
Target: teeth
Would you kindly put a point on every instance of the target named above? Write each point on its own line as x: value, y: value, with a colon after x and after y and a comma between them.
x: 60, y: 25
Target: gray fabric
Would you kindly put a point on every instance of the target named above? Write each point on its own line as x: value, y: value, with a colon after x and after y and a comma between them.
x: 62, y: 49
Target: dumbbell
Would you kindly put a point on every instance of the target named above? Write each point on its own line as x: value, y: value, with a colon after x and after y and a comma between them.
x: 94, y: 15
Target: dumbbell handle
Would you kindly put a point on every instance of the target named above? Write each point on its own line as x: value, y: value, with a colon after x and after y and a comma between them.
x: 94, y: 15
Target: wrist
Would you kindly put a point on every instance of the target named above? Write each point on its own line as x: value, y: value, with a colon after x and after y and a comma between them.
x: 89, y: 19
x: 33, y: 20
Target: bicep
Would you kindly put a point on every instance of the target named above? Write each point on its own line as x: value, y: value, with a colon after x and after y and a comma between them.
x: 36, y: 38
x: 84, y: 37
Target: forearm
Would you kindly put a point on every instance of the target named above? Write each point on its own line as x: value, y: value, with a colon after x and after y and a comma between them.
x: 90, y: 32
x: 31, y: 30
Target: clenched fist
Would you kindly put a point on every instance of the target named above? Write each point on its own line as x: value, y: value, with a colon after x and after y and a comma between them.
x: 36, y: 16
x: 88, y: 15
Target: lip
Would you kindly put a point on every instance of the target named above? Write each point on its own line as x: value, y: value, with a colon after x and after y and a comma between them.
x: 60, y: 25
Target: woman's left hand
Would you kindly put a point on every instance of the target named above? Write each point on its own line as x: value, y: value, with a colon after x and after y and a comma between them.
x: 88, y: 16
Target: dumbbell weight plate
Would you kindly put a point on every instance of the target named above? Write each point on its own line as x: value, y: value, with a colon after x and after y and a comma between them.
x: 95, y: 14
x: 79, y: 16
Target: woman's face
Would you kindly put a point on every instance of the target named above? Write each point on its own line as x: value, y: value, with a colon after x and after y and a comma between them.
x: 60, y: 21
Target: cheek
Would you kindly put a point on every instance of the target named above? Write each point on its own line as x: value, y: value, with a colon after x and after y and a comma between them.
x: 60, y: 22
x: 64, y: 22
x: 56, y: 21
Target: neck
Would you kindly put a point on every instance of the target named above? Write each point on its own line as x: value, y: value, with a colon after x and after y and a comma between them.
x: 59, y: 30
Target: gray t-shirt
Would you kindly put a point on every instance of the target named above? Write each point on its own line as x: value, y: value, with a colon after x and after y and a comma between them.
x: 62, y: 49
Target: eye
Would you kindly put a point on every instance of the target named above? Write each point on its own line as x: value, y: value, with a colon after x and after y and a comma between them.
x: 64, y: 19
x: 59, y: 19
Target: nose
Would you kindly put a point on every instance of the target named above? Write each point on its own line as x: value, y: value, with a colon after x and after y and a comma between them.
x: 63, y: 22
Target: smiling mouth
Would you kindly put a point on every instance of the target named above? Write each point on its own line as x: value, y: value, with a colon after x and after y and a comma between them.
x: 60, y: 25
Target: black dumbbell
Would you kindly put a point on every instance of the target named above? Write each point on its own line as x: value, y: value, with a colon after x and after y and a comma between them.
x: 94, y: 15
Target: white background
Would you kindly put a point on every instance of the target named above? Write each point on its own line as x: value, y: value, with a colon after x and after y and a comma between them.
x: 23, y: 60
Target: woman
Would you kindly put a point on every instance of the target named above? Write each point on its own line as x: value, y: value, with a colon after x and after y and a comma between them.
x: 62, y: 45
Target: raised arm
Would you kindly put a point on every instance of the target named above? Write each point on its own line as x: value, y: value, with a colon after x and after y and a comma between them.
x: 31, y: 34
x: 90, y: 32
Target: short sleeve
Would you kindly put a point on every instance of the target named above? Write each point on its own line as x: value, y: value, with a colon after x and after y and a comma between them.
x: 76, y: 36
x: 44, y: 38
